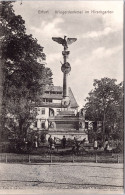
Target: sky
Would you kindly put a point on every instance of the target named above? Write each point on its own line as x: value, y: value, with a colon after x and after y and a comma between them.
x: 98, y: 51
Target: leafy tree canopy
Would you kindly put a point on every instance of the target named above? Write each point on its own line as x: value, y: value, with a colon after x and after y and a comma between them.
x: 24, y: 76
x: 105, y: 103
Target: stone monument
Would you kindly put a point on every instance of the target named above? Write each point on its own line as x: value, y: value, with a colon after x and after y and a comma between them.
x: 67, y: 122
x: 66, y: 68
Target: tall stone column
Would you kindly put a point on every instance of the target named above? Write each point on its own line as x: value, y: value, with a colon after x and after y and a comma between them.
x: 66, y: 68
x: 65, y: 85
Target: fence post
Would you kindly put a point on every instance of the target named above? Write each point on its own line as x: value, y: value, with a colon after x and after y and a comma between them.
x: 29, y: 158
x: 6, y: 158
x: 50, y: 157
x: 96, y: 157
x: 117, y: 158
x: 73, y: 158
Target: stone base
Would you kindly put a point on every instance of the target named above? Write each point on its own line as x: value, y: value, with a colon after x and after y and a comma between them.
x: 69, y: 135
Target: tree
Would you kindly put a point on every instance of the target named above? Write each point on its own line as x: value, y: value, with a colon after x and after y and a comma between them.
x: 24, y: 75
x: 1, y: 68
x: 105, y: 103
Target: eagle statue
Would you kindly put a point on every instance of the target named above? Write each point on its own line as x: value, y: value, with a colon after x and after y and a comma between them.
x: 65, y: 42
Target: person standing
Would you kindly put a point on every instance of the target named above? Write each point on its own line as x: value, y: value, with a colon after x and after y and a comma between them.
x: 95, y: 145
x: 36, y: 142
x: 106, y: 145
x: 64, y: 142
x: 50, y: 141
x: 75, y: 142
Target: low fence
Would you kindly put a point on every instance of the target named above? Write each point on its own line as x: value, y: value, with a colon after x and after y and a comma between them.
x: 26, y: 158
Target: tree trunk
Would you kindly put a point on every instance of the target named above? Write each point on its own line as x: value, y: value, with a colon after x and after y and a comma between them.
x: 1, y: 73
x: 20, y: 133
x: 22, y: 128
x: 104, y: 126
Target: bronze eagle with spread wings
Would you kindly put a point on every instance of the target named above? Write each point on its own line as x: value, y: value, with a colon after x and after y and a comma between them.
x: 65, y: 42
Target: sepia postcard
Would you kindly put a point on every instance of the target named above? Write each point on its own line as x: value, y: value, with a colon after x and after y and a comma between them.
x: 61, y: 97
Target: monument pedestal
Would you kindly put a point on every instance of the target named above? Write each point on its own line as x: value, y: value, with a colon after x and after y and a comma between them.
x: 68, y: 134
x: 68, y: 125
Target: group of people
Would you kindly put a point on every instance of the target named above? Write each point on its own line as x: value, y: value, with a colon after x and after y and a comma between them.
x: 97, y: 145
x: 105, y: 146
x: 52, y: 142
